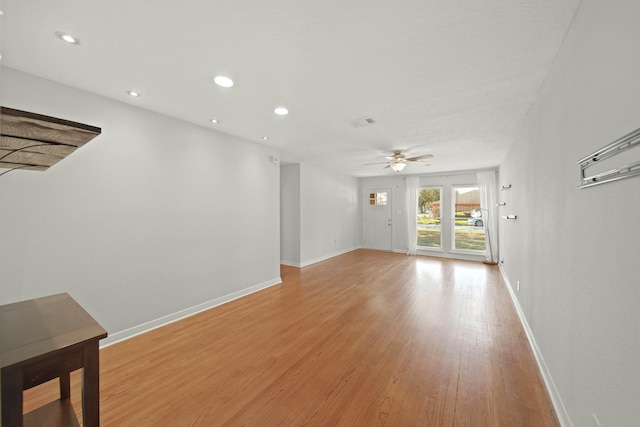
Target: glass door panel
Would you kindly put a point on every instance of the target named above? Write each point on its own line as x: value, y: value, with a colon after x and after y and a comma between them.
x: 468, y: 220
x: 428, y: 217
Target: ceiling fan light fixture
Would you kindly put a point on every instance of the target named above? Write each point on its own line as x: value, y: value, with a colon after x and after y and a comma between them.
x: 397, y: 166
x: 223, y: 81
x: 68, y: 38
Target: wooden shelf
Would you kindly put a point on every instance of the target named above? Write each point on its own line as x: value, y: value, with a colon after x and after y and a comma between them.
x: 33, y: 141
x: 58, y: 413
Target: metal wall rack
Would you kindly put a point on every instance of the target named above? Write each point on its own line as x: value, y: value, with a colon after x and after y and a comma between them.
x: 627, y: 142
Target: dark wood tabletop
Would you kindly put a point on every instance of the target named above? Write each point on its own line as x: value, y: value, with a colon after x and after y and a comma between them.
x: 29, y: 329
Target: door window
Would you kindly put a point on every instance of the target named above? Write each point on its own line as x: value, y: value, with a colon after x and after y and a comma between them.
x: 378, y: 198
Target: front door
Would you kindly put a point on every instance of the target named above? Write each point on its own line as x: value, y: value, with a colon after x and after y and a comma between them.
x: 377, y: 219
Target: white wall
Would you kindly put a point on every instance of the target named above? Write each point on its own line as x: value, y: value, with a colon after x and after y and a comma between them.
x: 575, y: 252
x: 399, y: 219
x: 147, y: 220
x: 290, y: 214
x: 329, y: 221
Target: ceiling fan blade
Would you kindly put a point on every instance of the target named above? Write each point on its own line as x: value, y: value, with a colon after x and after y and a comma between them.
x: 386, y: 166
x: 424, y: 156
x: 379, y: 163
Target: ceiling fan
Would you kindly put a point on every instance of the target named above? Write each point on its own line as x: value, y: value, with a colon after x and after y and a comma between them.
x: 399, y: 161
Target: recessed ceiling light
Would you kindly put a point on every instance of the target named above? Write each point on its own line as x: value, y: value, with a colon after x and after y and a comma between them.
x: 214, y: 121
x: 134, y: 93
x: 67, y: 38
x: 223, y: 81
x: 265, y: 137
x: 281, y: 111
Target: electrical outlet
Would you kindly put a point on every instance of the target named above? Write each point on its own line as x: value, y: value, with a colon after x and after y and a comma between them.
x: 518, y: 285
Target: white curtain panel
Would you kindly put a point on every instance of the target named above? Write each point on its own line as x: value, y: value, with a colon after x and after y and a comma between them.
x: 488, y: 199
x: 411, y: 208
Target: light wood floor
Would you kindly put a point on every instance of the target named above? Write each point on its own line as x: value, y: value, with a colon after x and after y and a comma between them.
x: 364, y: 339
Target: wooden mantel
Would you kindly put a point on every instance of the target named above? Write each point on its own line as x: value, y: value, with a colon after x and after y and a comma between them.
x: 33, y: 141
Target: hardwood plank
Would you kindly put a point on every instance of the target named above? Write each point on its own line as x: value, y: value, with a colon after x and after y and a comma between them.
x: 364, y: 339
x: 29, y: 158
x: 21, y: 166
x: 10, y: 143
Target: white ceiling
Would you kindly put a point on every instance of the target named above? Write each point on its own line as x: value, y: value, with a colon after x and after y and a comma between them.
x: 453, y: 78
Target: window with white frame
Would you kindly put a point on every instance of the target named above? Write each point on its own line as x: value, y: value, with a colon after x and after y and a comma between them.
x: 469, y: 229
x: 429, y: 222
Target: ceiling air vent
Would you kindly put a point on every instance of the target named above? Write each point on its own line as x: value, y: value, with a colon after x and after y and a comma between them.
x: 365, y: 121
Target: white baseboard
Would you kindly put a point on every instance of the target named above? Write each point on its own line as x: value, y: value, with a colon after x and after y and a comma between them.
x: 319, y: 259
x: 179, y: 315
x: 290, y: 263
x: 451, y: 255
x: 561, y: 410
x: 326, y: 257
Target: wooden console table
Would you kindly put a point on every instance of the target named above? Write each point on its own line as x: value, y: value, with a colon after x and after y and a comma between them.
x: 42, y: 339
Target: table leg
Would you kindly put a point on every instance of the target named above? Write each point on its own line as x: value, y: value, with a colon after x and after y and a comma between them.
x: 65, y: 386
x: 91, y: 386
x: 12, y: 383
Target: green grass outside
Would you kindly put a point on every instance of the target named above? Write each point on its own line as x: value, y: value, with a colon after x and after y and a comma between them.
x: 470, y: 240
x: 429, y: 238
x: 429, y: 221
x: 465, y: 239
